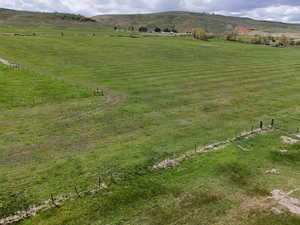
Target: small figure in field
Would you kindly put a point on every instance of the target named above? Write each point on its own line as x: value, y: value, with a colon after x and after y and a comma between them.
x: 99, y: 92
x: 62, y: 34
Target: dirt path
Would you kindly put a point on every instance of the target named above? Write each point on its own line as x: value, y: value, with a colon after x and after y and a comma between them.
x: 6, y: 62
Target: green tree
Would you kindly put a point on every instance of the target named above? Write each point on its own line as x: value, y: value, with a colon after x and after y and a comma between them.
x: 143, y: 29
x: 258, y: 40
x: 157, y: 29
x: 231, y: 36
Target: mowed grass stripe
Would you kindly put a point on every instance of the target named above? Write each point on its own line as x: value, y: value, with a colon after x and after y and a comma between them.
x: 164, y: 72
x: 175, y: 75
x: 207, y: 83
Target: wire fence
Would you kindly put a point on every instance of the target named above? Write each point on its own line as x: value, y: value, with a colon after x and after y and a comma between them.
x: 103, y: 184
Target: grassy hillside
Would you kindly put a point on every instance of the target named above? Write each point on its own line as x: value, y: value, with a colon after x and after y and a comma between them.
x: 37, y: 19
x: 162, y: 96
x: 184, y: 21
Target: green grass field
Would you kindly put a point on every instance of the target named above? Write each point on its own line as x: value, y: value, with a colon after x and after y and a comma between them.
x: 162, y: 96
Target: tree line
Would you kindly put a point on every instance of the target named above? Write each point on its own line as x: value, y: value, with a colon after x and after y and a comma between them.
x: 202, y: 34
x: 145, y: 29
x: 280, y: 41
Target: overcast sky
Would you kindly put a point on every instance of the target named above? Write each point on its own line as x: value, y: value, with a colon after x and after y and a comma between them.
x: 279, y: 10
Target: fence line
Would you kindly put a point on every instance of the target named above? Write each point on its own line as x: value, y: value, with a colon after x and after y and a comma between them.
x: 53, y: 202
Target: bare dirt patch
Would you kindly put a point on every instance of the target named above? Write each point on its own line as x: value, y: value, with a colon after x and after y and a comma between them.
x: 169, y: 163
x: 272, y: 171
x: 289, y: 140
x: 278, y: 203
x: 284, y: 151
x: 285, y: 202
x: 6, y: 62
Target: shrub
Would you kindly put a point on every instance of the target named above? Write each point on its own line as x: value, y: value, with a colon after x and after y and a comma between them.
x: 297, y: 43
x: 200, y: 34
x: 167, y: 30
x: 283, y: 40
x: 157, y: 29
x: 143, y: 29
x: 292, y: 42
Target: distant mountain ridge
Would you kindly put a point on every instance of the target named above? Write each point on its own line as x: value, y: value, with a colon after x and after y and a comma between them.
x: 184, y: 21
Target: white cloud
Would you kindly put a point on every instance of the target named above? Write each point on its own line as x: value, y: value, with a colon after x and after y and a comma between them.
x: 283, y: 13
x: 281, y: 10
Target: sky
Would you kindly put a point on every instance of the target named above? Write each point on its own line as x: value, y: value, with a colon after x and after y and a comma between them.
x: 278, y: 10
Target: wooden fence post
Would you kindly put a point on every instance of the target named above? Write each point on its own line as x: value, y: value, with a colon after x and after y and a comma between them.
x: 99, y: 182
x: 261, y: 125
x: 77, y: 193
x: 272, y: 123
x: 53, y: 200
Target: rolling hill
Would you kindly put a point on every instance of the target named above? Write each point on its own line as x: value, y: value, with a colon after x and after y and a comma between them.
x: 32, y: 19
x: 184, y: 21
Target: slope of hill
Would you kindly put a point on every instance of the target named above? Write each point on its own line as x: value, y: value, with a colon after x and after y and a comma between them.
x: 57, y: 137
x: 25, y: 18
x: 184, y: 21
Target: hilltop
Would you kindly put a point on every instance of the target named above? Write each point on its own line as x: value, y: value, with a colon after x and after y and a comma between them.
x: 185, y: 21
x: 182, y: 21
x: 17, y: 18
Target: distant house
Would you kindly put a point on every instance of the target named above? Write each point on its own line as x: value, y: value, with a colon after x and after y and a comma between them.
x: 244, y: 30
